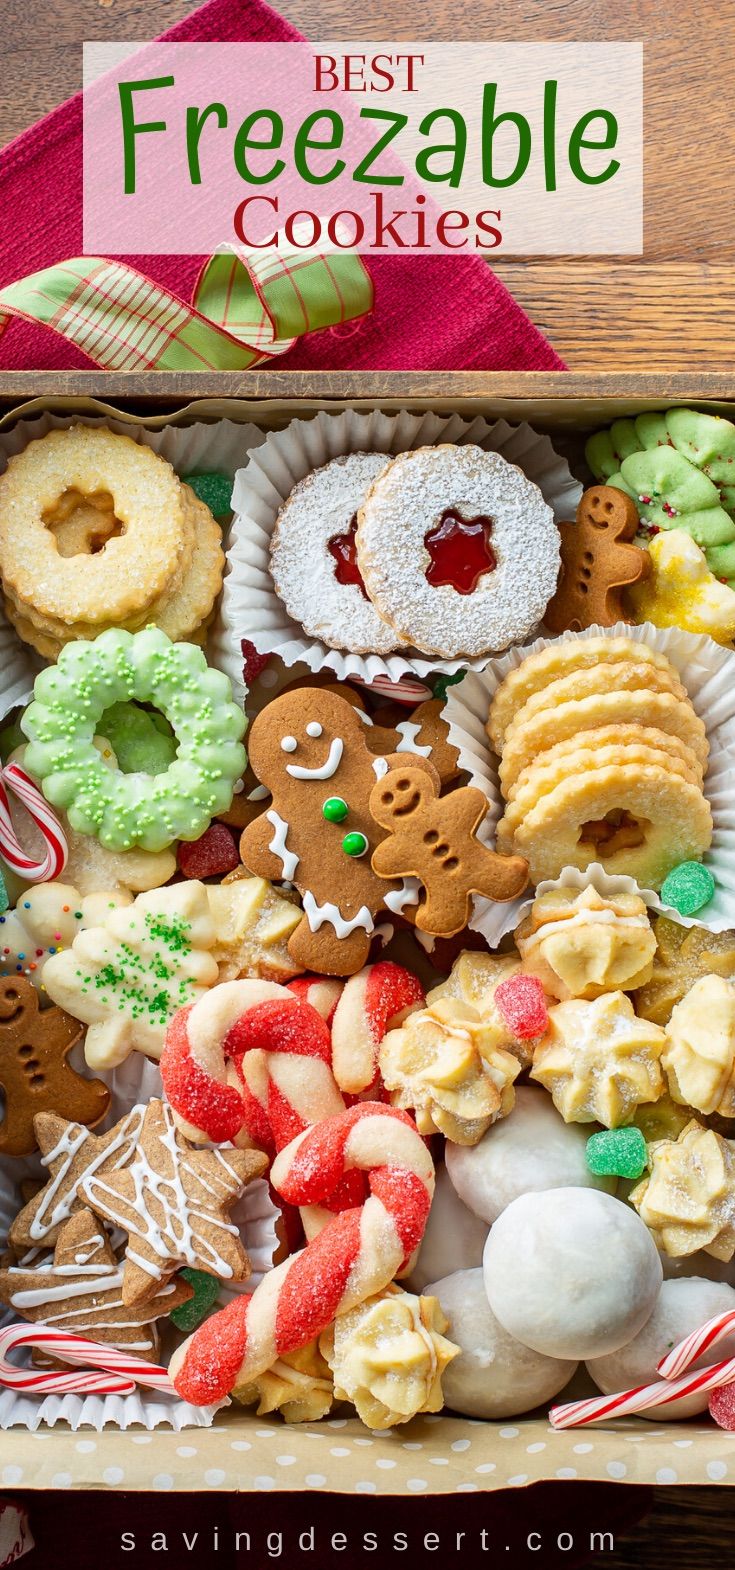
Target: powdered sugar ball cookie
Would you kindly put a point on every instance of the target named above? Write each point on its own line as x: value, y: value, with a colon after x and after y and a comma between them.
x: 453, y: 1240
x: 571, y: 1273
x: 313, y: 560
x: 531, y: 1150
x: 682, y: 1306
x: 494, y: 1376
x: 458, y: 550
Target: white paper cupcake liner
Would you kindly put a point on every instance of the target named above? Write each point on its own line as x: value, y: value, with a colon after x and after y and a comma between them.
x: 136, y: 1080
x: 250, y: 606
x: 706, y: 669
x: 224, y: 445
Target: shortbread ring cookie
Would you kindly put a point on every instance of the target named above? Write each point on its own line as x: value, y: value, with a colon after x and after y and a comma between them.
x: 442, y: 513
x: 133, y: 569
x: 559, y: 659
x: 658, y: 709
x: 543, y: 777
x: 313, y: 562
x: 626, y: 676
x: 617, y: 736
x: 672, y: 816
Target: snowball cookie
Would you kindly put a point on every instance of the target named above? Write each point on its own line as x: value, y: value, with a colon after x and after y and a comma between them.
x: 454, y: 1239
x: 529, y: 1151
x: 684, y: 1305
x: 572, y: 1273
x: 494, y: 1376
x: 699, y: 1264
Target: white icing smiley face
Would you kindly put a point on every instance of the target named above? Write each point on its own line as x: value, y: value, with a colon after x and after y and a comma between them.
x: 321, y: 771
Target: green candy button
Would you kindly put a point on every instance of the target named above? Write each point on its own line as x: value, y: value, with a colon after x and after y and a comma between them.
x: 354, y: 844
x: 617, y: 1152
x: 688, y: 888
x: 206, y: 1291
x: 335, y: 810
x: 213, y: 488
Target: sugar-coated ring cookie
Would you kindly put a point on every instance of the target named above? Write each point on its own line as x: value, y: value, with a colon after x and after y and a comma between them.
x: 617, y: 736
x: 123, y: 810
x: 134, y: 567
x: 494, y: 1376
x: 673, y: 820
x: 555, y: 660
x: 625, y: 676
x: 683, y: 1305
x: 313, y: 561
x: 571, y: 1272
x: 454, y: 1238
x: 661, y: 710
x: 413, y: 528
x: 527, y: 1153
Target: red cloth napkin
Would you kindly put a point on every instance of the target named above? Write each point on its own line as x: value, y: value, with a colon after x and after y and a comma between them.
x: 479, y: 326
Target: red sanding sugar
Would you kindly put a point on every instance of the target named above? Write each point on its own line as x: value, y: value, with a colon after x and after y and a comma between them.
x: 211, y: 856
x: 522, y: 1003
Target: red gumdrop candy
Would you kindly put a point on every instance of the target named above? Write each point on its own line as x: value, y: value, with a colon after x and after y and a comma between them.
x: 211, y: 856
x: 722, y: 1406
x: 522, y: 1003
x: 252, y: 662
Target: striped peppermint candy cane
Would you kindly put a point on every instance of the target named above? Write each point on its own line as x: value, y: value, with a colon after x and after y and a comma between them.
x: 119, y: 1375
x: 354, y: 1256
x: 407, y: 690
x: 52, y: 864
x: 695, y: 1345
x: 579, y: 1414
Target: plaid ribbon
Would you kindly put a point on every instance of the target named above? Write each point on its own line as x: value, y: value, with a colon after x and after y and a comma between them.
x: 247, y: 307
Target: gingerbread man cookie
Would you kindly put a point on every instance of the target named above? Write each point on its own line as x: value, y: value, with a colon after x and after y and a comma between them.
x: 310, y: 749
x: 434, y: 839
x: 34, y: 1072
x: 597, y: 562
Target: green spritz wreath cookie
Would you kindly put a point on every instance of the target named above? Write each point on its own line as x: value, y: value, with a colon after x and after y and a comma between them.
x: 123, y: 810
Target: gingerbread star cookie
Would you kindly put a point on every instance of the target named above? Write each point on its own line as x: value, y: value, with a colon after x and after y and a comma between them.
x: 70, y: 1153
x: 34, y: 1072
x: 80, y: 1290
x: 174, y: 1202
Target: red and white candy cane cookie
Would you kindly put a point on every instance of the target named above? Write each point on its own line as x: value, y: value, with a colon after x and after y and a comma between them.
x: 354, y: 1256
x: 313, y: 559
x: 372, y: 1002
x: 322, y: 992
x: 52, y: 864
x: 458, y: 550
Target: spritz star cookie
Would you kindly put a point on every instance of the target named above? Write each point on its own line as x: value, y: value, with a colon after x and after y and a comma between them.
x: 699, y: 1057
x: 598, y: 1061
x: 688, y: 1199
x: 442, y: 1064
x: 388, y: 1356
x: 474, y: 980
x: 683, y: 954
x: 581, y: 944
x: 555, y: 661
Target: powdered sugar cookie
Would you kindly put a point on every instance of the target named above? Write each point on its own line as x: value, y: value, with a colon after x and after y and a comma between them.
x: 559, y: 659
x: 458, y: 550
x: 313, y: 558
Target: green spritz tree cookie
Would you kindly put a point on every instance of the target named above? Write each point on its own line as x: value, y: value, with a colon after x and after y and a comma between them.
x: 145, y: 809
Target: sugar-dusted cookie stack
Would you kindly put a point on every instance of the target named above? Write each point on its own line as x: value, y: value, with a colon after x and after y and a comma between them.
x: 602, y: 758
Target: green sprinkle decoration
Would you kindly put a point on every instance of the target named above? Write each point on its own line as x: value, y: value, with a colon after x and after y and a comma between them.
x: 617, y: 1152
x: 213, y: 488
x: 688, y: 888
x: 354, y: 844
x: 441, y: 684
x: 335, y: 810
x: 206, y: 1290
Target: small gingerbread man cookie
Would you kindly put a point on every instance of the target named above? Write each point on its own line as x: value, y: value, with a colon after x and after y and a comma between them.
x: 597, y: 562
x: 434, y: 839
x: 34, y: 1072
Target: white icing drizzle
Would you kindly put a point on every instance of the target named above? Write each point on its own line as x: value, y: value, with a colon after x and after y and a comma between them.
x: 426, y: 939
x: 289, y: 744
x: 289, y: 859
x: 313, y: 728
x: 326, y: 770
x: 317, y: 915
x: 366, y: 720
x: 182, y: 1234
x: 260, y: 793
x: 53, y: 1207
x: 380, y: 766
x: 408, y: 743
x: 584, y: 918
x: 408, y: 894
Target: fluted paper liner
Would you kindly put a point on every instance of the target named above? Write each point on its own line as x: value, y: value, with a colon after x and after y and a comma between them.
x: 250, y: 606
x: 706, y: 669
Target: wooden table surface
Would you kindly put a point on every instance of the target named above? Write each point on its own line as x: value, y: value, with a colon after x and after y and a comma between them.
x: 672, y: 309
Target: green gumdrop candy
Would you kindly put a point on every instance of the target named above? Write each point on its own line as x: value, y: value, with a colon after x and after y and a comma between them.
x: 11, y: 737
x: 615, y: 1152
x: 206, y: 1291
x: 688, y: 888
x: 705, y: 440
x: 213, y: 488
x: 624, y: 438
x: 601, y: 456
x: 137, y: 742
x: 651, y: 430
